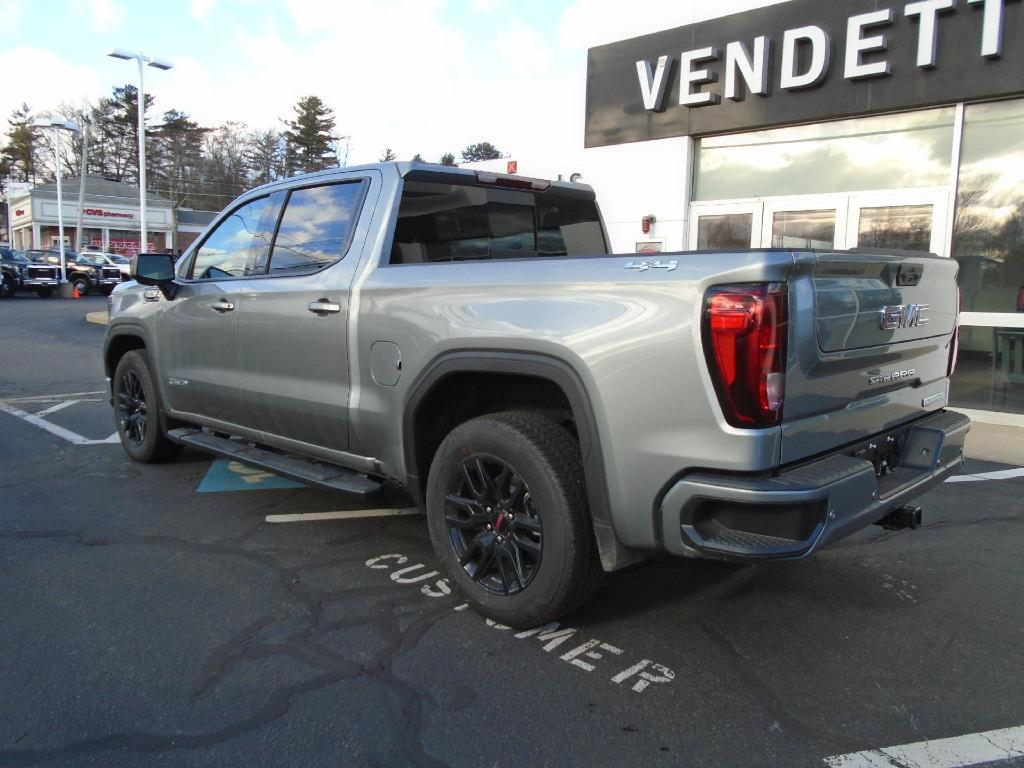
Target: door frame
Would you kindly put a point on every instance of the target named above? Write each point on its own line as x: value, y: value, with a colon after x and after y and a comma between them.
x: 937, y: 198
x: 753, y: 207
x: 847, y: 206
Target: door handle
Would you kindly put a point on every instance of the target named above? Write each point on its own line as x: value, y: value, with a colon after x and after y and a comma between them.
x: 324, y: 307
x: 222, y: 306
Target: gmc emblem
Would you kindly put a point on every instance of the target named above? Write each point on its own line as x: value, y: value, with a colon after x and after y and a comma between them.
x: 904, y: 316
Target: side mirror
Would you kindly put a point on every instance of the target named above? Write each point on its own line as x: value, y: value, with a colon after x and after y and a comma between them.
x: 155, y: 269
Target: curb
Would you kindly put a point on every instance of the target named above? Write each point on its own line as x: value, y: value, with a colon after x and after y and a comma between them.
x: 99, y: 318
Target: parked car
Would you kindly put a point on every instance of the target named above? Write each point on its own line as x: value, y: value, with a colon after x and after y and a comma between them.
x: 82, y: 271
x: 10, y: 273
x: 38, y: 276
x: 556, y: 411
x: 123, y: 263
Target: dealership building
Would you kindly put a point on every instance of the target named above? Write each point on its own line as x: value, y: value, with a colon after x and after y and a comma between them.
x: 855, y: 123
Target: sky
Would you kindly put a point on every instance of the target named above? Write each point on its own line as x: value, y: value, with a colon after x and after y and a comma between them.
x: 426, y: 76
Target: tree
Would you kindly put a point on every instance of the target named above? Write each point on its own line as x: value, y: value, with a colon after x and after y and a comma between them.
x: 417, y: 158
x: 177, y: 152
x: 265, y: 156
x: 19, y: 155
x: 225, y: 171
x: 387, y: 155
x: 482, y: 151
x: 309, y: 141
x: 448, y: 159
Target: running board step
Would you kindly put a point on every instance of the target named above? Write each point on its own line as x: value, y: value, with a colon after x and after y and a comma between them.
x: 285, y: 464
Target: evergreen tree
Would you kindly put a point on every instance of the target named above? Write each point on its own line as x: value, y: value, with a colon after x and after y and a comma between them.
x: 19, y: 154
x: 176, y: 149
x: 482, y: 151
x: 417, y: 158
x: 448, y: 159
x: 265, y: 156
x: 387, y: 155
x: 309, y: 141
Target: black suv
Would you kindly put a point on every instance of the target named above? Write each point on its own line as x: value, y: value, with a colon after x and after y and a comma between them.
x: 12, y: 268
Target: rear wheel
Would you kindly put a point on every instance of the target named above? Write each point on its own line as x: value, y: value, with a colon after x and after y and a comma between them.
x: 508, y: 517
x: 137, y: 411
x: 81, y: 284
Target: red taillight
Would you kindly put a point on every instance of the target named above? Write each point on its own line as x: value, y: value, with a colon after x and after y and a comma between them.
x: 745, y: 345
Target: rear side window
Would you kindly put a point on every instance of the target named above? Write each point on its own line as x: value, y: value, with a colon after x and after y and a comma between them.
x: 315, y: 227
x: 227, y: 249
x: 453, y: 222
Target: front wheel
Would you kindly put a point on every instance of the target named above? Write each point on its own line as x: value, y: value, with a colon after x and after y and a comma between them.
x: 8, y: 287
x: 137, y: 411
x: 509, y: 520
x: 81, y: 284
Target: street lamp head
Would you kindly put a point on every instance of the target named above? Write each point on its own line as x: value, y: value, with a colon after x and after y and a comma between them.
x: 56, y: 122
x: 121, y: 53
x: 159, y: 63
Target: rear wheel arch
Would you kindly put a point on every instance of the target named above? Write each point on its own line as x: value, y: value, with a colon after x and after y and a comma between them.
x: 535, y: 382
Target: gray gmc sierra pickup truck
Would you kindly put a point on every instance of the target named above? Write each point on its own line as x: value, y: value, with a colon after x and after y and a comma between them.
x: 555, y: 410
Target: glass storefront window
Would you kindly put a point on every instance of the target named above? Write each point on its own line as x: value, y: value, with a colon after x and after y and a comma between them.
x: 724, y: 231
x: 988, y: 232
x: 990, y: 370
x: 903, y: 151
x: 804, y: 229
x: 896, y: 227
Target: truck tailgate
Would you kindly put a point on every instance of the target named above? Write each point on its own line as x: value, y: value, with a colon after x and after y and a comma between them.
x: 871, y: 336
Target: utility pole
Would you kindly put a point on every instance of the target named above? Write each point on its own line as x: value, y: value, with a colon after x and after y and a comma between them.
x: 81, y: 183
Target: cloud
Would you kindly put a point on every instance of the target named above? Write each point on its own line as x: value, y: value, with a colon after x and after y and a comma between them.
x: 42, y: 79
x: 587, y: 23
x: 200, y: 9
x: 105, y: 14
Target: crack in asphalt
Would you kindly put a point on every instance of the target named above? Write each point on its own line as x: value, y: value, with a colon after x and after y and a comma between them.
x: 303, y: 645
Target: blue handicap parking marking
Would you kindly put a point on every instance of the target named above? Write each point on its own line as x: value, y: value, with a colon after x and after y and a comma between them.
x: 225, y: 475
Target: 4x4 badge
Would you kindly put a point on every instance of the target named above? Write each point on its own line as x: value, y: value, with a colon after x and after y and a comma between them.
x: 643, y: 266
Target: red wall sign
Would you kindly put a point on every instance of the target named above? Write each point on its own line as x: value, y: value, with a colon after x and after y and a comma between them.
x: 107, y: 214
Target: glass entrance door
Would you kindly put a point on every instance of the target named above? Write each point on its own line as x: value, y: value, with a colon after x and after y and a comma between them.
x: 913, y: 221
x: 897, y: 221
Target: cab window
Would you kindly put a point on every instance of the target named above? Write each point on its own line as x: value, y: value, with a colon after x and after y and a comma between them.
x: 226, y: 250
x: 315, y: 227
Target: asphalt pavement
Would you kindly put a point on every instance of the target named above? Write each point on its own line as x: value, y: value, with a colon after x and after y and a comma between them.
x: 152, y: 616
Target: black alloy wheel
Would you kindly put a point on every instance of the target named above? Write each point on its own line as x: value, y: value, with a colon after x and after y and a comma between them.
x: 494, y: 524
x: 132, y: 408
x: 81, y: 285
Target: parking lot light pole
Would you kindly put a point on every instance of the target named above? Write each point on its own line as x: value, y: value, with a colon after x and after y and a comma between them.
x: 141, y: 58
x: 57, y: 125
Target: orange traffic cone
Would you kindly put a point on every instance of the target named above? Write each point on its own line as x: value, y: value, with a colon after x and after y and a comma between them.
x: 74, y: 293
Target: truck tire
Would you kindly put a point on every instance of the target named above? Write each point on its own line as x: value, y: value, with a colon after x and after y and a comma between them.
x: 81, y: 282
x: 8, y: 287
x: 508, y: 517
x: 140, y: 422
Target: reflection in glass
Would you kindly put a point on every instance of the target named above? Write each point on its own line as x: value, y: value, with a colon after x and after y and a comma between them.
x: 226, y: 250
x: 990, y: 370
x: 804, y: 229
x: 888, y: 152
x: 896, y: 227
x: 314, y: 227
x: 988, y: 232
x: 724, y: 232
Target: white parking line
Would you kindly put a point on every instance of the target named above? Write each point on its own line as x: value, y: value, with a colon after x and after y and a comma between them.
x: 64, y: 434
x: 350, y: 514
x: 1000, y: 474
x: 957, y: 752
x: 55, y: 408
x: 49, y: 398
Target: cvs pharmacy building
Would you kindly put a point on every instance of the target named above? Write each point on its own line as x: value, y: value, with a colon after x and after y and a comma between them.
x: 851, y: 123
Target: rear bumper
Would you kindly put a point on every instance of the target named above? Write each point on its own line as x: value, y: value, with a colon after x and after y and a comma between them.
x: 799, y: 511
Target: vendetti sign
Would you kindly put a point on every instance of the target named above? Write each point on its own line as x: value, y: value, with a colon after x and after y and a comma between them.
x: 803, y: 61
